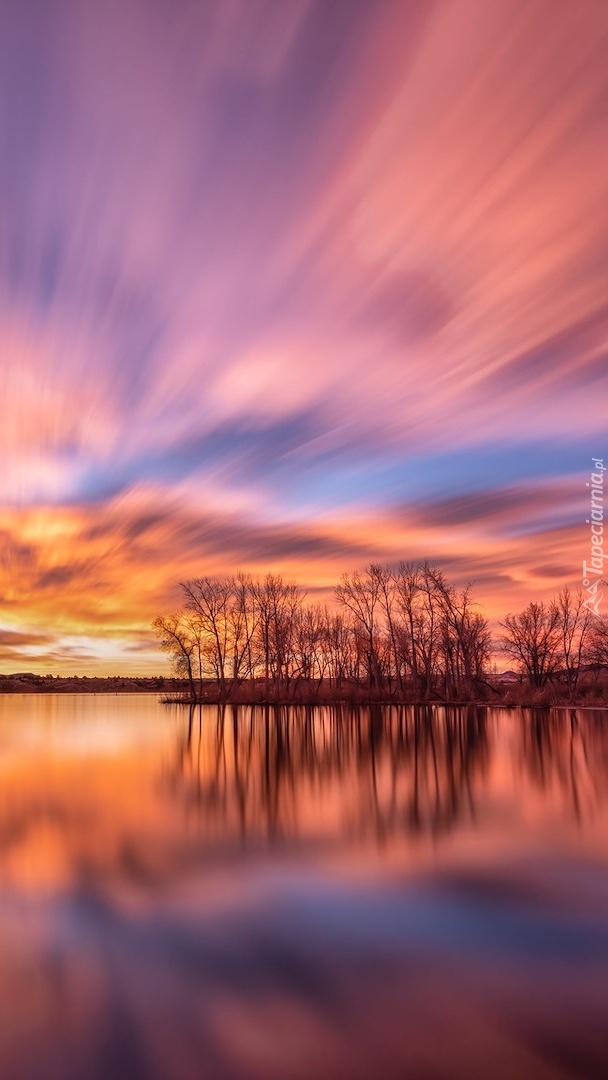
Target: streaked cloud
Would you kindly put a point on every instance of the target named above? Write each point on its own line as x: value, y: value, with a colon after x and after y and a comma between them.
x: 293, y: 286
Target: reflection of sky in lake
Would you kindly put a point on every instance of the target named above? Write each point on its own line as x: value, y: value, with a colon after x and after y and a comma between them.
x: 375, y: 892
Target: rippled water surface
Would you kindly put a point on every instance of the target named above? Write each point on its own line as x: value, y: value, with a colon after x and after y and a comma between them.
x: 301, y: 892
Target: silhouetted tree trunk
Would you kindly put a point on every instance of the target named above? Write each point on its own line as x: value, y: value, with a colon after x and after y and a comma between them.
x: 532, y: 639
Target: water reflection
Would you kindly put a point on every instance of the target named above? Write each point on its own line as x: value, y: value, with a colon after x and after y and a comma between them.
x: 388, y: 771
x: 394, y: 769
x: 274, y: 893
x: 565, y: 752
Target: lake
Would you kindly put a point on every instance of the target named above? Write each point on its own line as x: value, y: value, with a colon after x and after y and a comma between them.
x: 295, y: 893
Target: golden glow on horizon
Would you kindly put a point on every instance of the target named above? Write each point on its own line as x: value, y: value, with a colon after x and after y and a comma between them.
x: 87, y: 593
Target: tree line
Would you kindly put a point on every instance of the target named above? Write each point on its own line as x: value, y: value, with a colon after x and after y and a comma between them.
x: 393, y: 633
x: 556, y: 641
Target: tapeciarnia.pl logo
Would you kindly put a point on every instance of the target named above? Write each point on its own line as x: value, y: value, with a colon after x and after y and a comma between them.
x: 594, y: 569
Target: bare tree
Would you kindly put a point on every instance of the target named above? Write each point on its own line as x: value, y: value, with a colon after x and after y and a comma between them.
x: 340, y: 649
x: 386, y: 590
x: 178, y: 636
x: 532, y: 639
x: 575, y: 624
x: 598, y: 642
x: 242, y: 624
x: 465, y: 635
x: 277, y: 602
x: 409, y: 622
x: 310, y: 644
x: 359, y: 593
x: 210, y: 599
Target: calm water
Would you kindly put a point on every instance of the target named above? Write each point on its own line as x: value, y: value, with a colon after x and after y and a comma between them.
x: 305, y: 893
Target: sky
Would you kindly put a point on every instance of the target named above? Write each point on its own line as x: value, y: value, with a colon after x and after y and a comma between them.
x: 293, y: 286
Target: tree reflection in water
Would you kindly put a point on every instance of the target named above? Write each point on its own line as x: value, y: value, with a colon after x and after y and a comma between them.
x: 377, y: 772
x: 392, y: 770
x: 565, y: 753
x: 151, y: 926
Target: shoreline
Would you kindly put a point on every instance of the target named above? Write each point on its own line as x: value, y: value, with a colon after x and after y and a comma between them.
x: 338, y: 704
x: 174, y: 691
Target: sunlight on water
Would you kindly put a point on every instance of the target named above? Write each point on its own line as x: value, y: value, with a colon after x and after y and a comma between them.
x: 286, y: 893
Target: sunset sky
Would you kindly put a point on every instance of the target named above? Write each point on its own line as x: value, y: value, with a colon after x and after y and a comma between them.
x: 293, y: 285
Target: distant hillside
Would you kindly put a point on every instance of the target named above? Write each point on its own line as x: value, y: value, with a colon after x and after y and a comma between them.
x: 25, y: 682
